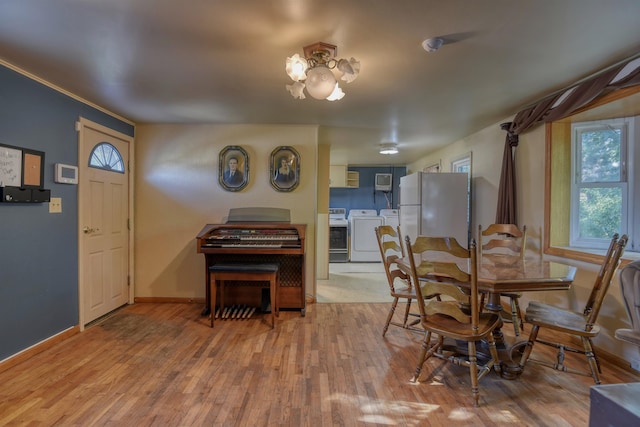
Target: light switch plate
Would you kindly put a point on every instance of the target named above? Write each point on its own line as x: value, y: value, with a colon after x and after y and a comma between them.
x: 55, y: 205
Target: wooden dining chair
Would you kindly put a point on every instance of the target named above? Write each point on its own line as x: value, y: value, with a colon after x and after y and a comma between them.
x: 580, y: 325
x: 436, y: 265
x: 400, y: 287
x: 505, y: 240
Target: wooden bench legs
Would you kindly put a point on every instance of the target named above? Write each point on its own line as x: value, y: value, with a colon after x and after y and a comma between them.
x: 244, y: 272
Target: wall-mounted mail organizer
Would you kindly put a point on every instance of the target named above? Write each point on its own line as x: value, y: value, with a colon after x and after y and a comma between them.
x: 24, y: 195
x: 22, y: 175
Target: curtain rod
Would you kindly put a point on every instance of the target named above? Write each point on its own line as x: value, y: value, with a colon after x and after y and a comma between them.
x: 584, y: 79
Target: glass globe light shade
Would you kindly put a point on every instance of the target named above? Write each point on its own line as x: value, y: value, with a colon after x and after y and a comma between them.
x: 389, y: 148
x: 296, y: 90
x: 336, y: 95
x: 350, y: 69
x: 320, y: 82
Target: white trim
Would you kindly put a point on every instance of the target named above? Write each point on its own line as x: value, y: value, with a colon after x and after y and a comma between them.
x: 462, y: 160
x: 63, y: 91
x: 625, y: 125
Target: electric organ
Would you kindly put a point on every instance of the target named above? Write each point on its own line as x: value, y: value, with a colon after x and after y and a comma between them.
x: 254, y: 236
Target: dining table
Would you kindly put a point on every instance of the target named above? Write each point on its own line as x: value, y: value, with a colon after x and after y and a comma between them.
x: 499, y: 274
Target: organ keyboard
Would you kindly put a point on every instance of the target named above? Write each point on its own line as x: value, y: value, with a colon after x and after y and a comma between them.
x: 257, y: 242
x: 252, y: 238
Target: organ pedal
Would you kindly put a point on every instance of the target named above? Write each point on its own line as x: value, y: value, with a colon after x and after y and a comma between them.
x: 235, y: 311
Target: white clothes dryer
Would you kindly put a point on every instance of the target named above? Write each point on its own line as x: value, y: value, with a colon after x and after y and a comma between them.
x: 362, y: 236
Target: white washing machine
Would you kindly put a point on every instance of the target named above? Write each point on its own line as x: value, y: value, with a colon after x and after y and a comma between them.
x: 362, y: 236
x: 391, y: 217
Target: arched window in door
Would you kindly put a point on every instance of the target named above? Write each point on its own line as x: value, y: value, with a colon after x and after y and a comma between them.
x: 107, y: 157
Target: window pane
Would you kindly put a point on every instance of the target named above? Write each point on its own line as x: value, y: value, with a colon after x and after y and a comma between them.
x: 600, y: 155
x: 600, y: 212
x: 106, y: 156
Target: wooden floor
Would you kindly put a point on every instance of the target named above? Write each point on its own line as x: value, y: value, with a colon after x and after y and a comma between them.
x: 161, y: 365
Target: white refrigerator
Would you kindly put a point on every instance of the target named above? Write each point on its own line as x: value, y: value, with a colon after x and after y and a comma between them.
x: 435, y: 204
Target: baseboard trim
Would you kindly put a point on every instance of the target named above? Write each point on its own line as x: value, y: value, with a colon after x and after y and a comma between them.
x: 170, y: 300
x: 615, y: 360
x: 28, y: 353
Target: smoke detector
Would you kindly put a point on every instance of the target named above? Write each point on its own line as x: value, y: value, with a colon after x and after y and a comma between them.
x: 432, y: 44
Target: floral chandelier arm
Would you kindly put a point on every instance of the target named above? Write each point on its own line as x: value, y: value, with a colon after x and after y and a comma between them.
x: 296, y: 90
x: 350, y: 69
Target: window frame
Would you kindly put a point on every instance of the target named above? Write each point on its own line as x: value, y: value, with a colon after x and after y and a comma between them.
x: 106, y: 164
x: 625, y: 125
x: 461, y: 162
x: 557, y: 166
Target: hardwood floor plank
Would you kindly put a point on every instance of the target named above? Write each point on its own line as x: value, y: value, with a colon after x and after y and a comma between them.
x: 155, y: 364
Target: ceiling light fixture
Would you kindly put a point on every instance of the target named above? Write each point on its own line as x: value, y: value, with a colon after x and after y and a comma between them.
x: 389, y: 148
x: 316, y: 68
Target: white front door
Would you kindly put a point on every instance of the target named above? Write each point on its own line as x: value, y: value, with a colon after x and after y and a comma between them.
x: 103, y: 220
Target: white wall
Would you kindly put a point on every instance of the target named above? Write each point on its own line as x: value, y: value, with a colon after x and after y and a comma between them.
x: 177, y: 193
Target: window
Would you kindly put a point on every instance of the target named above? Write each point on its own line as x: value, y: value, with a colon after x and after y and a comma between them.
x: 599, y: 190
x: 463, y: 164
x: 573, y: 181
x: 107, y: 157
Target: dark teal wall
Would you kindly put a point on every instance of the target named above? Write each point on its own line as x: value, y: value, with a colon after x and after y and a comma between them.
x: 364, y: 197
x: 39, y: 250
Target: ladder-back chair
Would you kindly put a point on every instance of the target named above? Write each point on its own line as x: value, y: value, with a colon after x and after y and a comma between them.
x: 436, y: 265
x: 400, y: 287
x: 630, y: 287
x: 580, y: 325
x: 505, y: 240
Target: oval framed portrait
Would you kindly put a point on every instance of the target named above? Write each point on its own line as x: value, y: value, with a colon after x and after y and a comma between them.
x: 284, y: 169
x: 233, y: 168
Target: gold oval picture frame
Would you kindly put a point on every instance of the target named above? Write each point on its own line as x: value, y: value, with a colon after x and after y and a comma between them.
x: 233, y: 168
x: 284, y: 169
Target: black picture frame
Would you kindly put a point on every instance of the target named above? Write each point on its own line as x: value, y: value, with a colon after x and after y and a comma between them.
x: 239, y: 179
x: 32, y: 169
x: 284, y: 169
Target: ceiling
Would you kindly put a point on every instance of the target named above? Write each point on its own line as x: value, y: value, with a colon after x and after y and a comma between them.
x: 198, y: 61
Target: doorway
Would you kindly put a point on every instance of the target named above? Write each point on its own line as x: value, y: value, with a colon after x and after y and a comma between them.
x: 104, y: 210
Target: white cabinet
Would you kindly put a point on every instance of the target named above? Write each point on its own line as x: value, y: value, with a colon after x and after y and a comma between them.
x: 353, y: 179
x: 339, y: 176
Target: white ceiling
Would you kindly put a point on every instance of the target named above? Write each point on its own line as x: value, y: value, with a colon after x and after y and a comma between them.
x: 206, y: 61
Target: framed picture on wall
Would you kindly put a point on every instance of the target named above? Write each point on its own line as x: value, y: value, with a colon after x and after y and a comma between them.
x: 32, y: 168
x: 233, y: 168
x: 284, y: 169
x: 21, y: 167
